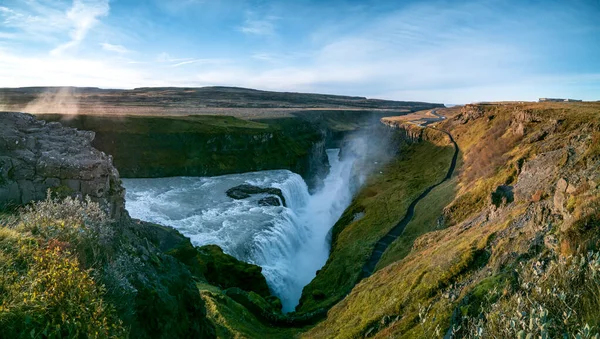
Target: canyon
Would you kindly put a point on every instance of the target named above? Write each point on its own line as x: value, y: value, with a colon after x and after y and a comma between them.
x: 492, y: 198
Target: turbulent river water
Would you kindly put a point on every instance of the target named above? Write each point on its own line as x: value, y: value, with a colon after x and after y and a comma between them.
x: 289, y: 243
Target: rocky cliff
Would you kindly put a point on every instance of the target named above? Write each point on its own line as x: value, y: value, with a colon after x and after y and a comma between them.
x: 205, y: 145
x: 36, y: 156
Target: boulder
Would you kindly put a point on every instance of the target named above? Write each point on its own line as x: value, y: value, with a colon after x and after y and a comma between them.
x: 244, y: 191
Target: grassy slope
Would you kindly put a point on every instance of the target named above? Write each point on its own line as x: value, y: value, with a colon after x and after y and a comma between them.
x: 232, y: 320
x: 427, y: 213
x: 416, y: 292
x: 384, y: 201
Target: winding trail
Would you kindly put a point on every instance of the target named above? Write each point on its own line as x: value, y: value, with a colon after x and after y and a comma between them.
x: 395, y: 232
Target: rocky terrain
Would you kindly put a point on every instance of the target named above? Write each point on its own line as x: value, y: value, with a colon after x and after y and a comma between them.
x: 36, y: 156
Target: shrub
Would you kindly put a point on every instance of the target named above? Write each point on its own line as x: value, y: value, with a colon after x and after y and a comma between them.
x: 45, y: 290
x: 82, y: 225
x: 45, y: 294
x: 560, y: 299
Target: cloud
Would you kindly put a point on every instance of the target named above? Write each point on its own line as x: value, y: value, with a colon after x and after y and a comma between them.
x: 34, y: 20
x: 83, y: 16
x: 8, y: 36
x: 262, y: 26
x: 432, y: 51
x: 114, y: 48
x: 201, y: 61
x: 18, y: 70
x: 166, y: 57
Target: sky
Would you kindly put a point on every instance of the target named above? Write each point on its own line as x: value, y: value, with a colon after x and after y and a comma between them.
x: 438, y: 51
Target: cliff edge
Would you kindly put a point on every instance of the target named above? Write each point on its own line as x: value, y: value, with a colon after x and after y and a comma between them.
x: 36, y: 156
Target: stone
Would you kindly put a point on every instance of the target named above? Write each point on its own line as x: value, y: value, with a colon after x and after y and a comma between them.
x: 27, y: 191
x: 560, y: 196
x: 72, y: 184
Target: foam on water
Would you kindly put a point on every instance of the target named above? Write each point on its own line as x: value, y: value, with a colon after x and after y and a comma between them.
x: 289, y: 243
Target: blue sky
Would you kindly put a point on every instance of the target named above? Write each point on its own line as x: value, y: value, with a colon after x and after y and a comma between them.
x: 442, y: 51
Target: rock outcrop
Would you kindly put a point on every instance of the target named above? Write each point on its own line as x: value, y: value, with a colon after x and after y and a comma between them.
x: 470, y: 112
x: 408, y: 132
x: 244, y: 191
x: 36, y: 156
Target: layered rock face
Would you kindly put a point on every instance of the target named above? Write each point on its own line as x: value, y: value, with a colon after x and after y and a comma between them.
x: 36, y: 156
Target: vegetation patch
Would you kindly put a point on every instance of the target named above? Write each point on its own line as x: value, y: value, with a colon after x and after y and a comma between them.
x: 45, y: 291
x: 428, y: 217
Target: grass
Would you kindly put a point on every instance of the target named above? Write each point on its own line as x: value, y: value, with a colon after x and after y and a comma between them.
x: 403, y: 290
x: 207, y: 124
x: 427, y: 214
x: 232, y: 320
x: 384, y: 200
x: 561, y: 299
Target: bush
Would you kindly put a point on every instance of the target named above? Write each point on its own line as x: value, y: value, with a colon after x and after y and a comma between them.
x: 45, y: 294
x: 80, y: 225
x: 45, y: 291
x: 560, y: 299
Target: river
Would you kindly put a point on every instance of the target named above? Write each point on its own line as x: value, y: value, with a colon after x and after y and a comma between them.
x: 289, y: 243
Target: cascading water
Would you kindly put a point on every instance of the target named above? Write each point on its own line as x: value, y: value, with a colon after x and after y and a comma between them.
x: 289, y: 243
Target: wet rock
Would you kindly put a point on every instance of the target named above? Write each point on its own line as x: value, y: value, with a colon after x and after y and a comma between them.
x: 244, y: 191
x: 35, y: 157
x: 269, y: 201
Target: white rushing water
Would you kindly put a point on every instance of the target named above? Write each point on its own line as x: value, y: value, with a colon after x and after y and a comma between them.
x: 289, y: 243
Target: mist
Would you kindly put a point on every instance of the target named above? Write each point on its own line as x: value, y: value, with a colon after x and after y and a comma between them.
x: 60, y: 101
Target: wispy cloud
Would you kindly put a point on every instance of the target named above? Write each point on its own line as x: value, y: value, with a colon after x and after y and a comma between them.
x: 83, y: 16
x: 17, y: 70
x: 119, y: 49
x: 256, y: 25
x: 166, y: 57
x: 34, y: 20
x: 201, y: 61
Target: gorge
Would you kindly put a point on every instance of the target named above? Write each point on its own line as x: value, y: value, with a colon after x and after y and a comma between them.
x: 204, y: 249
x: 288, y: 242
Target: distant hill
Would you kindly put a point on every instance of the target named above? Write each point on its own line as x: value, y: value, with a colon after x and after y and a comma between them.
x: 185, y: 100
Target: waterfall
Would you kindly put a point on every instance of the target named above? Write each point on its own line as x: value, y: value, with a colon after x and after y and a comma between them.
x: 289, y: 243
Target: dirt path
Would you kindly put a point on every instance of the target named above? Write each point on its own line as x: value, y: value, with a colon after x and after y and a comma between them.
x: 395, y: 232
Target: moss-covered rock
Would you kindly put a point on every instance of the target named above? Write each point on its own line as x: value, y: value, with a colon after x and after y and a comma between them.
x: 225, y: 271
